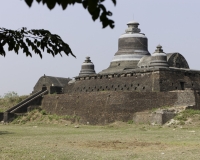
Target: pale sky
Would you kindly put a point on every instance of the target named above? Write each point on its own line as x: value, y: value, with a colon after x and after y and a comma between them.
x: 175, y: 24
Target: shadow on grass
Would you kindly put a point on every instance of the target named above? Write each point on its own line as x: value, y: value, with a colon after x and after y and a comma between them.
x: 5, y: 132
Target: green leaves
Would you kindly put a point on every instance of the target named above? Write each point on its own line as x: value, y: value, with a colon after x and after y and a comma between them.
x: 29, y: 2
x: 37, y: 40
x: 95, y: 8
x: 40, y: 40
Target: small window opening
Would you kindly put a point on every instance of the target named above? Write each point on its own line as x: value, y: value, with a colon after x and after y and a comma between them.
x: 182, y: 85
x: 178, y: 65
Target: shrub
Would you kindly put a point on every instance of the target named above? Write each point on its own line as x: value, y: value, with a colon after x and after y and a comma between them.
x: 183, y: 116
x: 130, y: 122
x: 43, y: 112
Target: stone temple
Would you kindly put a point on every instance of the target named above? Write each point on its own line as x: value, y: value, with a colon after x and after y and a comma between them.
x: 134, y: 81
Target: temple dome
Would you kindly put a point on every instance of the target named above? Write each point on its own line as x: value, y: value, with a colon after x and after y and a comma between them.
x: 87, y: 67
x: 159, y: 59
x: 132, y: 46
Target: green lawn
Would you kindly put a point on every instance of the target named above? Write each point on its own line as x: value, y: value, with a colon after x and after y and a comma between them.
x: 118, y: 141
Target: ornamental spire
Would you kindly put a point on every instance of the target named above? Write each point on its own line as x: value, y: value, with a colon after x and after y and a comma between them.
x: 159, y: 49
x: 133, y: 27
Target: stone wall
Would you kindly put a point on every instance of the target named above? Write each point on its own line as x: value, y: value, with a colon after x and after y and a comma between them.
x: 108, y: 106
x: 179, y: 80
x: 143, y: 82
x: 152, y: 118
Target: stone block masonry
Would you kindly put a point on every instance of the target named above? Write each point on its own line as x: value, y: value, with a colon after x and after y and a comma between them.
x: 147, y: 80
x: 143, y: 82
x: 108, y: 106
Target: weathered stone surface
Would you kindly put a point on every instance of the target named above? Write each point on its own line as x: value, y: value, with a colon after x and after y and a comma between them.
x: 109, y: 106
x: 143, y: 80
x: 157, y: 118
x: 87, y: 67
x: 177, y: 60
x: 132, y: 46
x: 53, y: 84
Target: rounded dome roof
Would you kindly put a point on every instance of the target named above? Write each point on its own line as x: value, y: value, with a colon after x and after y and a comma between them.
x: 132, y: 46
x: 177, y: 60
x: 159, y: 58
x: 87, y: 67
x: 132, y: 22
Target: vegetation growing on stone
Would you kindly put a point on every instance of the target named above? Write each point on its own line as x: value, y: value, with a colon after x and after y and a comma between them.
x: 41, y: 117
x: 183, y: 116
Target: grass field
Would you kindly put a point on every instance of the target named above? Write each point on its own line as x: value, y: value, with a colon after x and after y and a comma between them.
x: 117, y: 141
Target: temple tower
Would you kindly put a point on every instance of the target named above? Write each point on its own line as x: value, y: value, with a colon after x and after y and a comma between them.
x: 132, y: 46
x: 87, y: 67
x: 159, y: 59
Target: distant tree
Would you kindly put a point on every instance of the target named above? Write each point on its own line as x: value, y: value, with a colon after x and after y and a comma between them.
x: 10, y: 95
x: 39, y: 40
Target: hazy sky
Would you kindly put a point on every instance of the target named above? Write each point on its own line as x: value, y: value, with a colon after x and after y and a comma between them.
x: 175, y: 24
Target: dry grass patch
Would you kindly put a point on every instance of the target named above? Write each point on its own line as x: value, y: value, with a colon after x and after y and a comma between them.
x: 121, y: 141
x: 39, y: 136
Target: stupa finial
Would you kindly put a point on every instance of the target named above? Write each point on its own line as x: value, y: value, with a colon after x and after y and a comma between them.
x: 133, y: 27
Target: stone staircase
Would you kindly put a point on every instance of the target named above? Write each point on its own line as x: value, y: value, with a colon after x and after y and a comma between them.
x: 22, y: 107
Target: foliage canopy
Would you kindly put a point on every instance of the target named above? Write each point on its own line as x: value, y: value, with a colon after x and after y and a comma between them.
x: 40, y: 40
x: 95, y: 8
